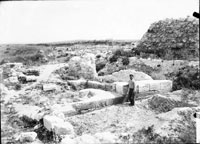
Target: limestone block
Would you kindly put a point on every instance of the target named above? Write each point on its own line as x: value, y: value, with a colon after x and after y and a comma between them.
x: 123, y: 75
x: 142, y: 86
x: 166, y: 85
x: 27, y: 136
x: 49, y: 87
x: 31, y: 78
x: 154, y: 85
x: 13, y: 79
x: 50, y: 121
x: 121, y: 87
x: 63, y: 128
x: 95, y: 84
x: 100, y: 99
x: 108, y: 87
x: 67, y: 110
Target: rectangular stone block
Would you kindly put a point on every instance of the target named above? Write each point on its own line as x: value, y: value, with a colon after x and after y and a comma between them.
x: 109, y: 87
x: 141, y: 86
x: 50, y: 121
x: 121, y: 87
x: 154, y: 85
x: 64, y: 128
x: 93, y: 104
x: 166, y: 85
x: 49, y: 87
x: 96, y: 85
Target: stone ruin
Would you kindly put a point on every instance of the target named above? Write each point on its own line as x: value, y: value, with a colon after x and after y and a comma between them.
x: 92, y: 94
x: 172, y: 39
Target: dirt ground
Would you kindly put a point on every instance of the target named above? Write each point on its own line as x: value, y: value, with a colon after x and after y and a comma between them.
x: 117, y: 119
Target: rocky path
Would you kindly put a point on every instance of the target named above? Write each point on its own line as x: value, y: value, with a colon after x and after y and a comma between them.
x: 47, y: 71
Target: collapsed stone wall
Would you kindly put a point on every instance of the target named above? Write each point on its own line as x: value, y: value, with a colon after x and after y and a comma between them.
x: 171, y: 39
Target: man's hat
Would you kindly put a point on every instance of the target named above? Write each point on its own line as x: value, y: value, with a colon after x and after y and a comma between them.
x: 131, y: 75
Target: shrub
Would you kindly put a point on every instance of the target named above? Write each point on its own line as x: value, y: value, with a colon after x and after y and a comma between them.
x: 101, y: 74
x: 98, y: 56
x: 149, y: 136
x: 100, y: 66
x: 186, y: 77
x: 184, y: 133
x: 18, y: 87
x: 4, y: 61
x: 125, y: 60
x: 118, y: 52
x: 113, y: 58
x: 37, y: 57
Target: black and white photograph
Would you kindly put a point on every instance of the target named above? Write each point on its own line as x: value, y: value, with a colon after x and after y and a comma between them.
x: 99, y: 71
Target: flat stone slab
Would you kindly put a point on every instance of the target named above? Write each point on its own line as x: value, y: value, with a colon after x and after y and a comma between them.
x: 144, y: 86
x: 99, y: 99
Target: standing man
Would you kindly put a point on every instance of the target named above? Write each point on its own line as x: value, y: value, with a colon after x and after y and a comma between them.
x: 131, y: 90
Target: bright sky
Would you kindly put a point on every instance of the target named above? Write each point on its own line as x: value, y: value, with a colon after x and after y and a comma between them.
x: 52, y: 21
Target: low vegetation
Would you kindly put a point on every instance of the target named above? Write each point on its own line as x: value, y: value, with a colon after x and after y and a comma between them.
x: 184, y: 132
x: 187, y: 77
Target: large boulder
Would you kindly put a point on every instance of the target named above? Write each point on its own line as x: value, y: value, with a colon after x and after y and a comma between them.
x: 83, y: 66
x: 58, y: 125
x: 123, y: 76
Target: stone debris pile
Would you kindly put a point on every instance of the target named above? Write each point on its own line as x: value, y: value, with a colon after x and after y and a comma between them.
x: 172, y: 39
x: 15, y: 73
